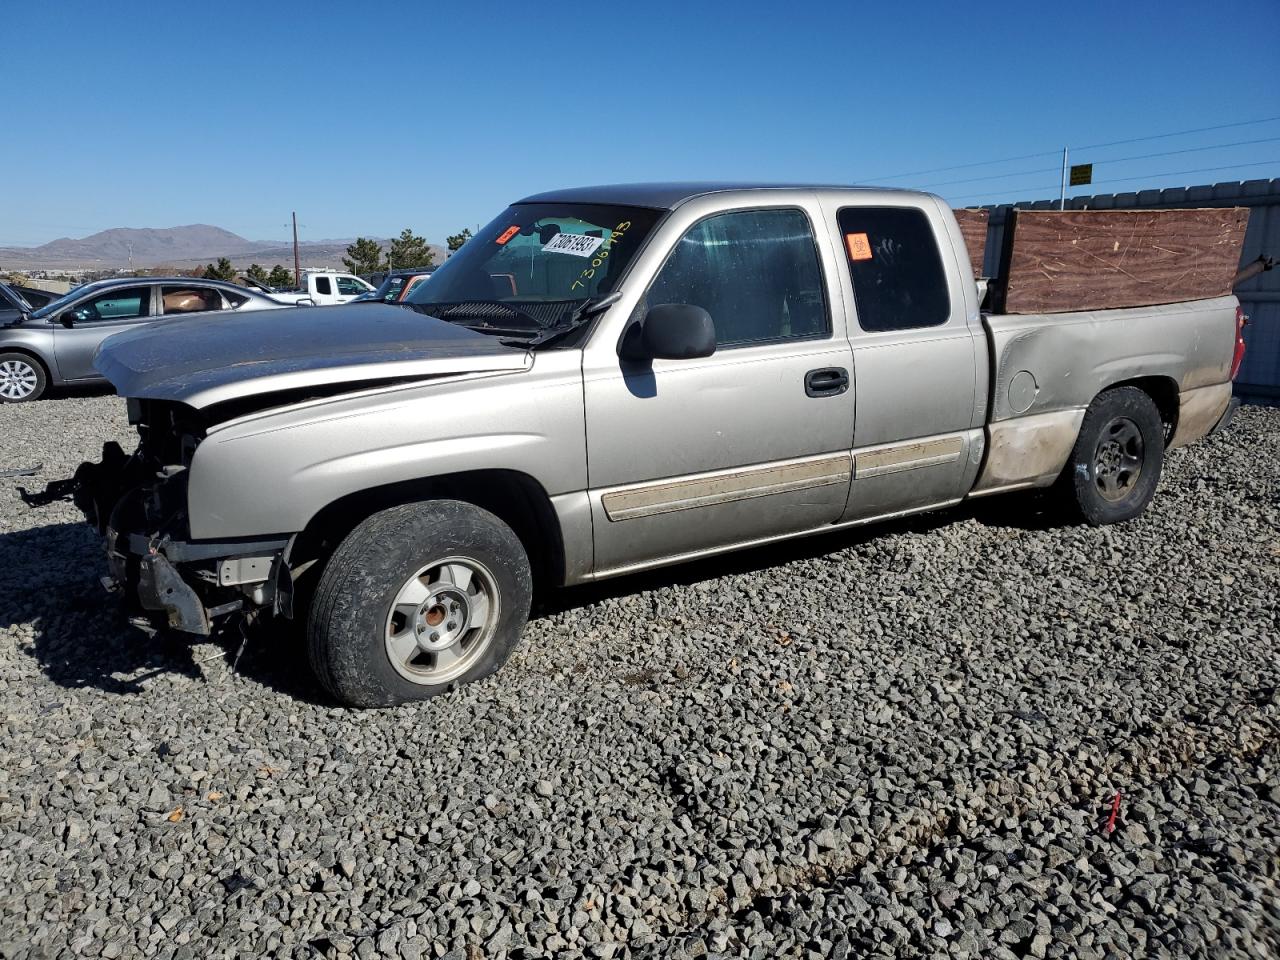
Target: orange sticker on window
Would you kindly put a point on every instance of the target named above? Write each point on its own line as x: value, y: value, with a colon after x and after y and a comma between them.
x: 507, y: 234
x: 859, y: 246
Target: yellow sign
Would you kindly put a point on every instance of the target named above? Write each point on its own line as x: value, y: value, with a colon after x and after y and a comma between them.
x: 1081, y: 174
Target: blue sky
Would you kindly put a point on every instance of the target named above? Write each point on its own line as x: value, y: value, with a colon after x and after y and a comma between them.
x: 367, y: 117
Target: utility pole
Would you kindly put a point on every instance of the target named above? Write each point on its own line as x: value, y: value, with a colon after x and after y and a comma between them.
x: 297, y: 261
x: 1062, y: 197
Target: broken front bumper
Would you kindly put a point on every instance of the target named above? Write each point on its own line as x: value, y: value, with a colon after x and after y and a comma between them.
x: 187, y: 585
x: 163, y: 575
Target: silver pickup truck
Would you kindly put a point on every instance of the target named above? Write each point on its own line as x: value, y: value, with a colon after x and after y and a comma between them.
x: 605, y: 380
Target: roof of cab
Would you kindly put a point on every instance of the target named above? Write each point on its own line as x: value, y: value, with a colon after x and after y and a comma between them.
x: 664, y: 196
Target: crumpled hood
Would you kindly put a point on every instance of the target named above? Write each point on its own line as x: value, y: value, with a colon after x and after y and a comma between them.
x: 214, y: 357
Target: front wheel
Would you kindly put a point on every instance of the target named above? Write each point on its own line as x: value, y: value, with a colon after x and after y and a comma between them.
x: 417, y: 600
x: 1115, y: 465
x: 21, y: 378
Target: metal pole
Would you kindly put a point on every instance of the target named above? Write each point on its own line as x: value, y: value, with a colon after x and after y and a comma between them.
x: 297, y: 261
x: 1062, y: 198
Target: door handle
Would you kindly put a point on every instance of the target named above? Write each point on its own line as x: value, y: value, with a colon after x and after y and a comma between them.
x: 827, y: 382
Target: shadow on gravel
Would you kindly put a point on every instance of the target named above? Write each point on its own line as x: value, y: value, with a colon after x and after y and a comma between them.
x: 81, y: 637
x: 1021, y: 511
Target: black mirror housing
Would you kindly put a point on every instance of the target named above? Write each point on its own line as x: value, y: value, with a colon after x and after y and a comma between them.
x: 677, y: 331
x: 68, y: 319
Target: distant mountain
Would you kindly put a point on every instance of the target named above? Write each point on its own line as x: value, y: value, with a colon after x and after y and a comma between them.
x: 182, y: 247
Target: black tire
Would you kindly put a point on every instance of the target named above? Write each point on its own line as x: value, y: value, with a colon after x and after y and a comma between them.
x: 351, y: 616
x: 1115, y: 465
x: 18, y: 370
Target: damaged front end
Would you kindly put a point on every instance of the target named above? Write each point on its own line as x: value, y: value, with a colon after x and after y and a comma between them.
x: 138, y: 503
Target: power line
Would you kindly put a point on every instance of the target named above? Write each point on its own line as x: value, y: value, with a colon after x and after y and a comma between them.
x: 965, y: 166
x: 1090, y: 146
x: 1144, y: 156
x: 1145, y: 176
x: 997, y: 193
x: 1180, y: 133
x: 993, y: 176
x: 1178, y: 173
x: 1170, y: 153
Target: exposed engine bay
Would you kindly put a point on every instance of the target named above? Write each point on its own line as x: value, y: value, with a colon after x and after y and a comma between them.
x: 138, y: 503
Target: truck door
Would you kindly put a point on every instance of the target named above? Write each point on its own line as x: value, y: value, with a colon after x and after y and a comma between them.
x: 917, y: 436
x: 349, y: 288
x: 748, y: 443
x: 322, y: 289
x: 83, y: 326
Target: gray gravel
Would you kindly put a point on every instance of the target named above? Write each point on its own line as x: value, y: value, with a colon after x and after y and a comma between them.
x: 902, y: 742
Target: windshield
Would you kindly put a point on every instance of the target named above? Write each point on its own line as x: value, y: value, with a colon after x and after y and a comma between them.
x: 536, y: 264
x: 55, y: 305
x: 389, y: 290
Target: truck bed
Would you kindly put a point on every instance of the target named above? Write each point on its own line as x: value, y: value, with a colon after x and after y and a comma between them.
x: 1047, y: 367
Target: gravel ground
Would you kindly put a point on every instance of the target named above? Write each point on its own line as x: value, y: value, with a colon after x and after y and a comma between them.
x: 901, y: 742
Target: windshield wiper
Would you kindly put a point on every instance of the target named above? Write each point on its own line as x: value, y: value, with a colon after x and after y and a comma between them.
x: 475, y: 309
x: 581, y: 314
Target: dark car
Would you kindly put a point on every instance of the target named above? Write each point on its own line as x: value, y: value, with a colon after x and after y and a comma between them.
x: 36, y: 297
x: 395, y: 286
x: 54, y: 344
x: 13, y: 305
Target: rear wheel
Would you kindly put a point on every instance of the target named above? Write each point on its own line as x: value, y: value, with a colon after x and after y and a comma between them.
x: 22, y: 378
x: 417, y: 600
x: 1116, y: 462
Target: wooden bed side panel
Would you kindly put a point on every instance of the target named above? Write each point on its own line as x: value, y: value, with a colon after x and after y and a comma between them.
x: 1072, y: 260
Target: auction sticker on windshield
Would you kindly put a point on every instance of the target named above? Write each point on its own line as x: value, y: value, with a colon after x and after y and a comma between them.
x: 577, y: 244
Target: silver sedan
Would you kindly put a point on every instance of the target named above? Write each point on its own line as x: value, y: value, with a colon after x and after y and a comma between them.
x: 54, y: 346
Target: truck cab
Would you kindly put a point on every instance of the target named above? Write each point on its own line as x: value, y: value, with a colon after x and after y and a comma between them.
x: 325, y: 287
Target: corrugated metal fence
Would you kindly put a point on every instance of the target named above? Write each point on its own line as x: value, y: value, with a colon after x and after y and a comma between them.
x: 1260, y: 297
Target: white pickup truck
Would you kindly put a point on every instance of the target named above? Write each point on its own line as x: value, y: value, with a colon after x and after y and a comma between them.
x: 605, y: 380
x: 324, y: 287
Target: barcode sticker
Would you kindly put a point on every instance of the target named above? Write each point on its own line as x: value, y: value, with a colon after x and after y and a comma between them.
x: 576, y: 244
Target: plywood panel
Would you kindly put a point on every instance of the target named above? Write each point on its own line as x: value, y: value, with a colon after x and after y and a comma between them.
x: 1057, y: 261
x: 973, y: 227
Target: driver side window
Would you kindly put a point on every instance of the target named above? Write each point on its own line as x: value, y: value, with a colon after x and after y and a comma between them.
x: 756, y: 272
x: 120, y: 304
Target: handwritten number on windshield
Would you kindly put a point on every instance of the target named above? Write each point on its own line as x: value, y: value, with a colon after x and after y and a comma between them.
x: 601, y: 255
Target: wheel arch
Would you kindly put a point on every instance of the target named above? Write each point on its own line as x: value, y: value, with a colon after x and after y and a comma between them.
x: 46, y: 364
x: 1163, y: 392
x: 515, y: 498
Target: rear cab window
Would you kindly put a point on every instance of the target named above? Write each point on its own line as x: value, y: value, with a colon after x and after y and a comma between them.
x: 896, y: 267
x: 323, y: 286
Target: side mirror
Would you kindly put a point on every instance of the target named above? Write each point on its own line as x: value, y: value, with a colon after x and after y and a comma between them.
x: 68, y: 319
x: 672, y: 331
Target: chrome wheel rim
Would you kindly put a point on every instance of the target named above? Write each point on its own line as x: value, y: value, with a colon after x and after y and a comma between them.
x: 17, y: 380
x: 442, y: 620
x: 1117, y: 459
